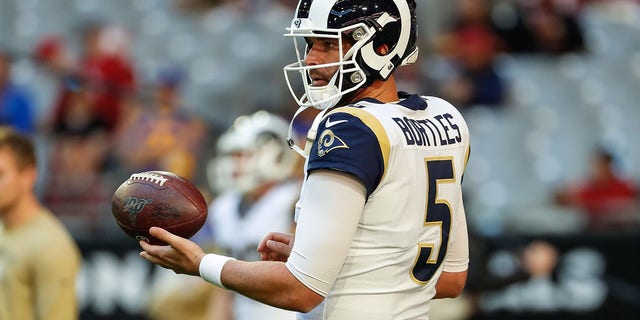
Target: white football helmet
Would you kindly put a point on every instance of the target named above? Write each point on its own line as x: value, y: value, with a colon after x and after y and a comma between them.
x: 252, y: 152
x: 366, y: 24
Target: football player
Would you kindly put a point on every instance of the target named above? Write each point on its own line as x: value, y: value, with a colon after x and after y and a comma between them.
x: 253, y: 175
x: 381, y: 226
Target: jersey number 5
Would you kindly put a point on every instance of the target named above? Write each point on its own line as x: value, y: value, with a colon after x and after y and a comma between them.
x: 438, y: 215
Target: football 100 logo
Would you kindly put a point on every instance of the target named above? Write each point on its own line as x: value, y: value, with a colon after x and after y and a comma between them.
x: 134, y: 205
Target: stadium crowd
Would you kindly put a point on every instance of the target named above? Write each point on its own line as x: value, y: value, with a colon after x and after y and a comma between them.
x: 150, y: 85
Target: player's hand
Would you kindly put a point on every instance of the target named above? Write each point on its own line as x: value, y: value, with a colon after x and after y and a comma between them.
x: 275, y: 246
x: 181, y: 255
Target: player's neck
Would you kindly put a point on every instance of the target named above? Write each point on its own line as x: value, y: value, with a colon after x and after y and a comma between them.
x: 21, y: 212
x: 383, y: 91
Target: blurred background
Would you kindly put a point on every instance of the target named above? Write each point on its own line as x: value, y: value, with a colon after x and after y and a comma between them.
x: 550, y: 90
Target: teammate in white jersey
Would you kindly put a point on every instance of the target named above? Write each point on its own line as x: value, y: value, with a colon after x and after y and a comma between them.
x: 253, y: 174
x: 381, y: 226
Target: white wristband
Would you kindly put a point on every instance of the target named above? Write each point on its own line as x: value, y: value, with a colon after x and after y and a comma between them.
x: 211, y: 268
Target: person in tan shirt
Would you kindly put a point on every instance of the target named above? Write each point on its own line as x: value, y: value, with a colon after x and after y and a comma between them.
x: 39, y: 261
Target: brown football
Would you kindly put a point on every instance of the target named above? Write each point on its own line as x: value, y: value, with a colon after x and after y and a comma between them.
x: 160, y: 199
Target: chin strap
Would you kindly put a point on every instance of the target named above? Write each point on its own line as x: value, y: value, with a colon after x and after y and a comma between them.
x: 311, y: 134
x: 290, y: 141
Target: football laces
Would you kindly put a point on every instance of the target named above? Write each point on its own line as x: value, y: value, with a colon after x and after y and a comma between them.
x: 149, y: 177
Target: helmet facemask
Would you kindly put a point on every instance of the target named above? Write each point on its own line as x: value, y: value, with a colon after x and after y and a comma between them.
x: 391, y: 23
x: 366, y: 25
x: 349, y: 75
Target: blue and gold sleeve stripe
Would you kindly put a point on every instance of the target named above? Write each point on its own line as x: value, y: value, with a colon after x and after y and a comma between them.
x: 352, y: 140
x: 374, y: 124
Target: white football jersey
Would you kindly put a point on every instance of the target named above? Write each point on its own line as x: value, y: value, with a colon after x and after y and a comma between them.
x: 240, y: 234
x: 410, y: 156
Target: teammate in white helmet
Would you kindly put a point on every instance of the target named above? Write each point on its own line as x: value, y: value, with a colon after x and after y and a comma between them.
x: 252, y: 173
x: 381, y: 226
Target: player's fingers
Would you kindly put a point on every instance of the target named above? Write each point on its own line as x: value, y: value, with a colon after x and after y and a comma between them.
x: 281, y: 237
x: 263, y: 256
x: 157, y: 252
x: 153, y: 259
x: 148, y: 247
x: 274, y: 256
x: 261, y: 246
x: 274, y: 236
x: 279, y: 247
x: 147, y: 256
x: 164, y: 235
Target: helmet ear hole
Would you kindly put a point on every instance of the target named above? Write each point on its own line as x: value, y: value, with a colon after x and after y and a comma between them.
x: 387, y: 36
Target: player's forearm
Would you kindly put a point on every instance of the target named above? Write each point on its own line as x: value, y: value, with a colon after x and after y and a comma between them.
x: 269, y: 282
x: 450, y: 284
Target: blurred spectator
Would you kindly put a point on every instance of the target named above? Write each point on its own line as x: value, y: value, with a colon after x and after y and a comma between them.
x: 16, y: 104
x: 163, y: 135
x: 609, y: 200
x: 556, y: 283
x: 535, y: 293
x: 539, y: 26
x: 52, y: 54
x: 108, y: 70
x: 104, y: 68
x: 79, y: 118
x: 508, y: 19
x: 554, y: 26
x: 76, y: 188
x: 471, y: 47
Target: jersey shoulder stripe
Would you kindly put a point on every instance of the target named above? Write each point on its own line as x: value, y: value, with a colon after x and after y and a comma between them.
x: 374, y: 124
x: 352, y: 141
